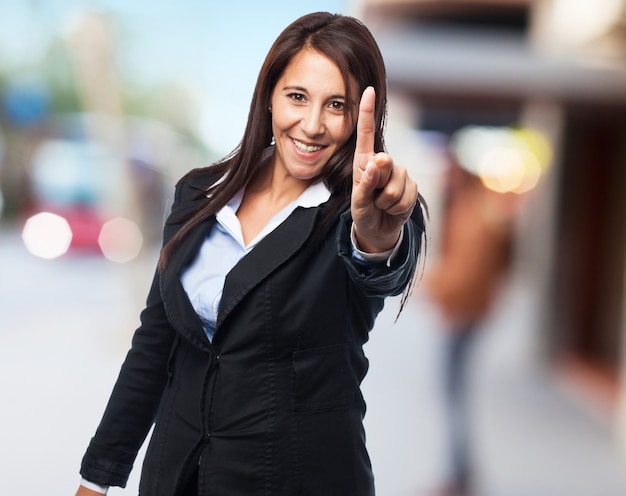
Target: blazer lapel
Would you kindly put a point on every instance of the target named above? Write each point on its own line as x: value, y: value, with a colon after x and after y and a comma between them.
x: 274, y: 250
x: 177, y: 305
x: 175, y: 299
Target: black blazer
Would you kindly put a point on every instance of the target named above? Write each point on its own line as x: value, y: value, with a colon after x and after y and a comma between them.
x: 273, y: 405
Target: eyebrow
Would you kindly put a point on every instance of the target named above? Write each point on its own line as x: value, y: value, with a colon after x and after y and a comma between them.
x: 304, y: 90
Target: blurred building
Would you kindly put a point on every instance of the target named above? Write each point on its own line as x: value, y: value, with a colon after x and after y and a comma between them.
x: 558, y: 67
x: 82, y: 140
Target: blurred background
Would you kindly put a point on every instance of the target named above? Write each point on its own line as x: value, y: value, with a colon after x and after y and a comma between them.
x: 104, y: 104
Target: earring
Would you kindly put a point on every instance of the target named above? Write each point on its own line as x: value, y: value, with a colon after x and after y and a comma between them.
x: 269, y: 109
x: 273, y: 141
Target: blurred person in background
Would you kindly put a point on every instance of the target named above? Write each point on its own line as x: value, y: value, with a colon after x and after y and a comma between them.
x: 276, y: 261
x: 475, y: 253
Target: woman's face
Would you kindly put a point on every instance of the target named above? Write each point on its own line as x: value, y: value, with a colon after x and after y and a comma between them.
x: 309, y: 117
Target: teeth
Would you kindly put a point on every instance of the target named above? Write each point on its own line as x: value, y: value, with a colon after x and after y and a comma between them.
x: 306, y: 148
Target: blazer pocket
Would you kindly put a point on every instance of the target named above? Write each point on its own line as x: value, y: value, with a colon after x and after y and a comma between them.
x: 328, y: 377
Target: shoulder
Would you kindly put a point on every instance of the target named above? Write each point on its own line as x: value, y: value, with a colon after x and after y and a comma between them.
x: 190, y: 192
x: 201, y: 178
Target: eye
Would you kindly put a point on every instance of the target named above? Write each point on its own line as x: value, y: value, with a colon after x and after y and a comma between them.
x: 298, y: 97
x: 337, y: 105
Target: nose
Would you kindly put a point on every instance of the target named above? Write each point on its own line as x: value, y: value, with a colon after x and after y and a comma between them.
x: 312, y: 122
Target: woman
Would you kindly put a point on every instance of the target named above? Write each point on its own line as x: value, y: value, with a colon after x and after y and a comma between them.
x: 275, y: 263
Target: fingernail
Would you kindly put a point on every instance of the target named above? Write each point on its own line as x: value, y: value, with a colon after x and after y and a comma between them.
x: 369, y: 169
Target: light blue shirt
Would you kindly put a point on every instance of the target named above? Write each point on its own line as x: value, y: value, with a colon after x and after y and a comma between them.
x: 204, y: 279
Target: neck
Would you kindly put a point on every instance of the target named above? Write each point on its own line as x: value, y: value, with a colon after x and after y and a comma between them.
x: 276, y: 185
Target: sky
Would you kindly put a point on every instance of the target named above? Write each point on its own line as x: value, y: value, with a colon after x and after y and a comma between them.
x: 215, y: 48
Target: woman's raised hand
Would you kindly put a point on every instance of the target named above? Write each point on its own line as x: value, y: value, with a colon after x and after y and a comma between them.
x: 383, y: 194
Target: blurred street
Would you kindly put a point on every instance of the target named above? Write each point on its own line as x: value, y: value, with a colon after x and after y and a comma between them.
x: 66, y: 325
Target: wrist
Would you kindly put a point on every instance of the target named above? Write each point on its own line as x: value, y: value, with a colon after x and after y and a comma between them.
x: 381, y: 244
x: 94, y: 488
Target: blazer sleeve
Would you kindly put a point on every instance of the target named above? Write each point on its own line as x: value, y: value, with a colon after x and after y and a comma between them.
x: 378, y: 279
x: 134, y: 401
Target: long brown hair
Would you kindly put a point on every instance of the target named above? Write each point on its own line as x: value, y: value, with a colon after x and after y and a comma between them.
x: 344, y: 40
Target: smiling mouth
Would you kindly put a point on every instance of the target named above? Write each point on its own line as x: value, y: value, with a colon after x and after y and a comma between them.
x: 306, y: 148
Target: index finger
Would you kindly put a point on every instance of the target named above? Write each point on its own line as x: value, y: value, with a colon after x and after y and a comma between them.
x: 365, y: 123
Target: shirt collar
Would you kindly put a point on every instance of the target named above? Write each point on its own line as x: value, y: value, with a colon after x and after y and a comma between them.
x: 313, y: 196
x: 316, y: 194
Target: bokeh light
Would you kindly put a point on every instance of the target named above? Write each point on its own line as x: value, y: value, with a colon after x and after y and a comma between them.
x: 584, y: 20
x: 507, y: 160
x: 47, y: 235
x: 120, y: 240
